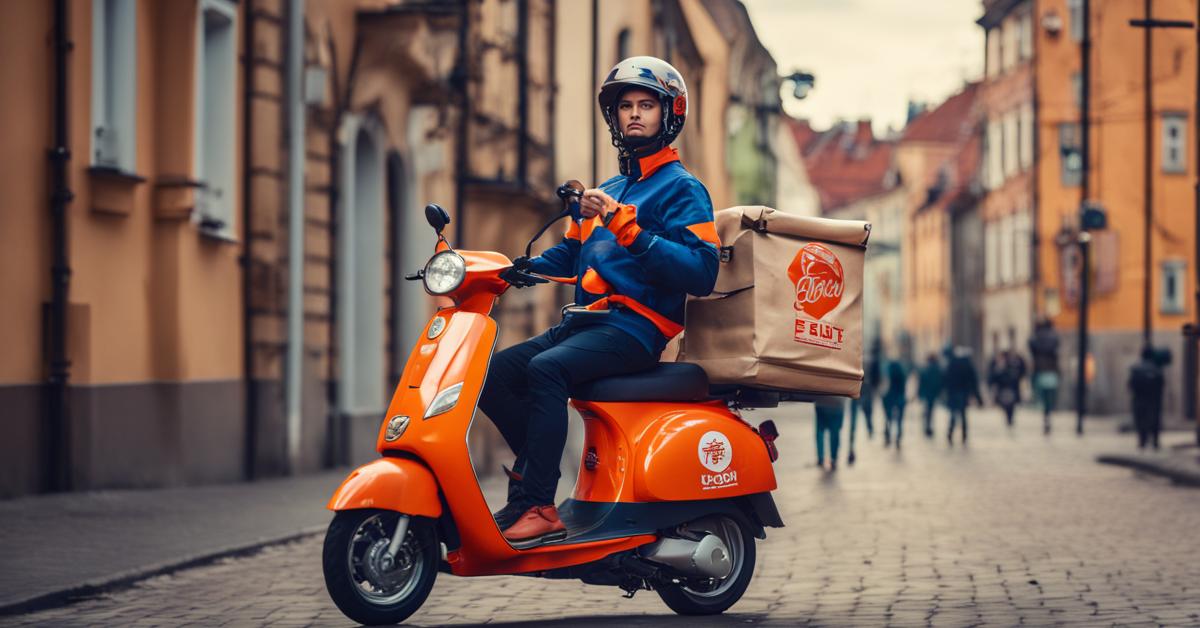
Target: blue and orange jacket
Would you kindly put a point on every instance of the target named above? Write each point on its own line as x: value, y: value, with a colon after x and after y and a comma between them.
x: 668, y: 248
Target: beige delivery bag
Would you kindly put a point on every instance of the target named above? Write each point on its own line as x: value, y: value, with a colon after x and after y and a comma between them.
x: 787, y: 309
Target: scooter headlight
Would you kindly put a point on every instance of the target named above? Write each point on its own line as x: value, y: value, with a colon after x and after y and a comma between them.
x: 444, y: 273
x: 444, y: 401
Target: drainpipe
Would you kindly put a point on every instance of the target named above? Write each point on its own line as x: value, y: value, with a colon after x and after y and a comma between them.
x: 523, y: 94
x: 461, y: 162
x: 58, y: 442
x: 295, y: 196
x: 591, y: 111
x: 250, y: 454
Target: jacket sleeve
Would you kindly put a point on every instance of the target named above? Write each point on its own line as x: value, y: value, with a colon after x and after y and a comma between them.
x: 685, y: 254
x: 562, y: 259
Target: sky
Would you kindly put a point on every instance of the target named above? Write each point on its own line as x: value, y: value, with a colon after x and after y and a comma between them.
x: 871, y: 57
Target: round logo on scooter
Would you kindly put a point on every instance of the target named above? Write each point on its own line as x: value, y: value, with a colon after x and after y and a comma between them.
x: 715, y: 451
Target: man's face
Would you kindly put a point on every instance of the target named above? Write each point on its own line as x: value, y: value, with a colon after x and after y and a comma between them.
x: 639, y: 113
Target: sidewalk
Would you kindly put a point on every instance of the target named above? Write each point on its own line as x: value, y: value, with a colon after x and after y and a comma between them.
x: 1178, y: 460
x: 54, y: 548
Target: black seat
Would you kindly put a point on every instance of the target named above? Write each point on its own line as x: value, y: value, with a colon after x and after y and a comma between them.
x: 669, y: 381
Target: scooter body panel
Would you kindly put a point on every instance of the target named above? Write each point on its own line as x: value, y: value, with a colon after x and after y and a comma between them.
x: 666, y: 451
x: 458, y: 350
x: 398, y: 484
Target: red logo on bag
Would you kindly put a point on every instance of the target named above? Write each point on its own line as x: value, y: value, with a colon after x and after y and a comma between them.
x: 817, y: 275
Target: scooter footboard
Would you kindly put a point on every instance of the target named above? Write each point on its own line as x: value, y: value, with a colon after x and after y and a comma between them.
x: 399, y: 484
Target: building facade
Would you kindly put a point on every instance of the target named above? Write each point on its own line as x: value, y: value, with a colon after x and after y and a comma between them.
x: 205, y: 280
x: 938, y: 160
x: 1006, y: 100
x: 1121, y: 279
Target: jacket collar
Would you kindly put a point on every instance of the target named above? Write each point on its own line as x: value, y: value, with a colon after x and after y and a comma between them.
x: 640, y: 167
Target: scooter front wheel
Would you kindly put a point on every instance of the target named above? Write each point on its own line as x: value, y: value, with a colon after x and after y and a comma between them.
x: 367, y: 584
x: 715, y: 596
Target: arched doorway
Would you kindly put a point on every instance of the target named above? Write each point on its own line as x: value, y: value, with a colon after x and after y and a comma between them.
x: 360, y: 282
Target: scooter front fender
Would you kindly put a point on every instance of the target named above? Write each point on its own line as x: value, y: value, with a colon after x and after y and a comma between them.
x: 400, y: 484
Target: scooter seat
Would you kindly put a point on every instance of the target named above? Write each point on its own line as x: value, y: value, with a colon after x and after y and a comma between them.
x: 669, y: 381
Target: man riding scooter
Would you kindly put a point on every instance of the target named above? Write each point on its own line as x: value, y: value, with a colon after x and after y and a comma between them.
x: 637, y: 246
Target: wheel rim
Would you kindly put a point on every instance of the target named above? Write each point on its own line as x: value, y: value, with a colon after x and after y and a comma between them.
x: 378, y: 580
x: 730, y: 534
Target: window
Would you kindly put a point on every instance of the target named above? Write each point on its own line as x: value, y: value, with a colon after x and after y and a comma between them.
x: 1174, y: 143
x: 114, y: 84
x: 1077, y: 88
x: 1075, y: 9
x: 990, y: 265
x: 216, y: 131
x: 1070, y: 153
x: 1022, y: 245
x: 993, y: 52
x: 1025, y: 35
x: 1008, y: 45
x: 1174, y: 276
x: 1027, y: 136
x: 623, y: 45
x: 1005, y: 244
x: 1011, y: 139
x: 995, y: 174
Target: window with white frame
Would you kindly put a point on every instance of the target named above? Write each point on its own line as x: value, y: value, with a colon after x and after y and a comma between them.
x: 216, y: 116
x: 995, y: 153
x: 1174, y: 277
x: 1025, y: 35
x: 1075, y: 11
x: 990, y: 265
x: 1022, y: 245
x: 1027, y: 136
x: 1005, y: 243
x: 993, y: 51
x: 114, y: 84
x: 1008, y: 49
x: 1174, y: 143
x: 1011, y: 138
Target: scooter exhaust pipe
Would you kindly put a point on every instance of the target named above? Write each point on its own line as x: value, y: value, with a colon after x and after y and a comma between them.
x: 708, y: 557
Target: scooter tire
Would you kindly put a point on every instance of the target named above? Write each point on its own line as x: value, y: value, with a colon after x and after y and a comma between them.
x: 340, y: 582
x: 684, y: 602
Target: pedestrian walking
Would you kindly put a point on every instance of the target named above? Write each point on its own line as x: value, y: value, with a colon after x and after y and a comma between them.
x: 929, y: 387
x: 894, y: 401
x: 1146, y: 382
x: 962, y: 385
x: 1004, y: 379
x: 866, y: 395
x: 1043, y: 346
x: 830, y: 412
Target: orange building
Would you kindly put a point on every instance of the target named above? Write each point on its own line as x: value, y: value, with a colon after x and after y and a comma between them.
x: 1117, y: 182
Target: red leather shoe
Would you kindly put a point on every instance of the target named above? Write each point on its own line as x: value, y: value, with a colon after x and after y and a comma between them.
x: 539, y: 524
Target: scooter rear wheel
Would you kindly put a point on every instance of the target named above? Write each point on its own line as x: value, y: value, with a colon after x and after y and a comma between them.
x: 715, y: 597
x: 366, y: 585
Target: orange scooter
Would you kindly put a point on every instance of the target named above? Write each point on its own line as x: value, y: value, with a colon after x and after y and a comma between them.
x: 673, y: 489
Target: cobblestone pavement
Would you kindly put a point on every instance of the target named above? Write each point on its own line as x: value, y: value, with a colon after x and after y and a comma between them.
x: 1014, y: 528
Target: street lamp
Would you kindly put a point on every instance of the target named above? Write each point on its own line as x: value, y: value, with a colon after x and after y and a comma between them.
x: 802, y: 83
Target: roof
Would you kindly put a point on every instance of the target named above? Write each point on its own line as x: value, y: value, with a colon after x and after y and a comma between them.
x: 946, y: 123
x: 846, y: 163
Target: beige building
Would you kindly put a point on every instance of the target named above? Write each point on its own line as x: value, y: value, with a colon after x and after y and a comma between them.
x: 241, y: 194
x: 241, y: 184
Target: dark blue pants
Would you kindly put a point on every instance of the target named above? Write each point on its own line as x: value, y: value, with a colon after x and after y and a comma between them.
x: 527, y: 388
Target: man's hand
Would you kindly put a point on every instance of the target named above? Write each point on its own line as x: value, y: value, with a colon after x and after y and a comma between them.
x: 596, y: 202
x: 517, y: 275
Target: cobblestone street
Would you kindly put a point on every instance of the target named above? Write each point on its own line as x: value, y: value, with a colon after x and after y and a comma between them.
x: 1014, y: 528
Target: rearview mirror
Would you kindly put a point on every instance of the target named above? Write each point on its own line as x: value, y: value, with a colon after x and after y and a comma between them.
x: 436, y: 217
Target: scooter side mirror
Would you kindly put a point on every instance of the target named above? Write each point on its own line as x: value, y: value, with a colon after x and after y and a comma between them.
x: 437, y: 217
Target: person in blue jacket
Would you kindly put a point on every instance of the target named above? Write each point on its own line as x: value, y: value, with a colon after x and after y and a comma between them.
x: 636, y: 246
